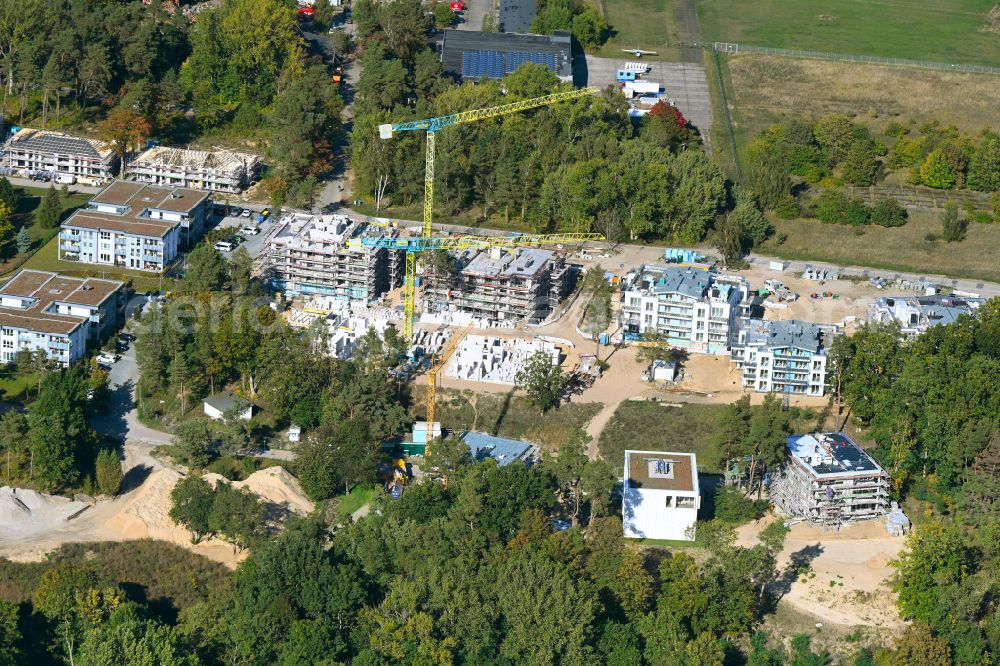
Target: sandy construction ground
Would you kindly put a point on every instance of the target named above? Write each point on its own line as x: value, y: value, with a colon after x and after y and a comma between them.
x: 142, y: 513
x: 842, y: 577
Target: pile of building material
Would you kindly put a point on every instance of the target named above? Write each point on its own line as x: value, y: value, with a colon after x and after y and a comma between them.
x: 25, y: 512
x: 463, y: 320
x: 496, y: 360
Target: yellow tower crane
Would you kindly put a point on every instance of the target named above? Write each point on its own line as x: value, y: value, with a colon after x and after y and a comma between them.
x: 413, y: 246
x: 432, y: 126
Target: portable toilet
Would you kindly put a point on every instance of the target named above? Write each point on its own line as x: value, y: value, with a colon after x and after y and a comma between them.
x: 625, y: 75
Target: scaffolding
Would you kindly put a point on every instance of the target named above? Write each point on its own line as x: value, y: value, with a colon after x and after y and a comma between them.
x: 830, y: 481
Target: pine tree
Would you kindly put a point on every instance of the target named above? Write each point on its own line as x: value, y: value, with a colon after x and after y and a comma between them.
x: 23, y: 241
x: 50, y: 210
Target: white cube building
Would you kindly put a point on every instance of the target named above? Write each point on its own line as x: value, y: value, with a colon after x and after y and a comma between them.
x: 660, y: 497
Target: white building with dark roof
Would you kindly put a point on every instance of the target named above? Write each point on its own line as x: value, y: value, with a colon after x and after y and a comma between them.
x: 782, y: 356
x: 915, y: 314
x: 35, y: 151
x: 132, y: 225
x: 59, y: 315
x: 696, y: 309
x: 216, y: 170
x: 660, y: 495
x: 829, y: 480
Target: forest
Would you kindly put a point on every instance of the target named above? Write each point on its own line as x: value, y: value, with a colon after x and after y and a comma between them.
x: 241, y: 75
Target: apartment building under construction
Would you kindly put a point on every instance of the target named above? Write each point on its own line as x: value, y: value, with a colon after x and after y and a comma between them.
x: 830, y: 481
x: 323, y: 254
x: 502, y: 285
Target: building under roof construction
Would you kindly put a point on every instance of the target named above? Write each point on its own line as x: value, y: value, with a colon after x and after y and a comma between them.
x: 323, y: 254
x: 916, y: 314
x: 36, y: 151
x: 504, y: 285
x: 829, y: 480
x: 216, y: 170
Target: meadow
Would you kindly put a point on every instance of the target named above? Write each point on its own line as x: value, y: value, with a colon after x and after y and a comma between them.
x: 950, y: 31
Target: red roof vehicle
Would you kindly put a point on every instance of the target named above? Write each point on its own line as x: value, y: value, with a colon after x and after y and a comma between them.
x: 458, y: 6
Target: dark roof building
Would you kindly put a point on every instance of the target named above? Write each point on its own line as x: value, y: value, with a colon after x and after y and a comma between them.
x: 493, y: 55
x: 516, y: 15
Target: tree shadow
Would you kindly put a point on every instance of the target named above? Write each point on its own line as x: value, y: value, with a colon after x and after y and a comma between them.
x: 135, y: 477
x: 504, y: 408
x: 796, y: 562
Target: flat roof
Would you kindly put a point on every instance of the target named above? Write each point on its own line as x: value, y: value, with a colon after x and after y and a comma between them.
x: 690, y: 282
x: 516, y: 15
x: 519, y: 262
x: 661, y: 470
x: 507, y: 52
x: 45, y: 288
x: 831, y: 454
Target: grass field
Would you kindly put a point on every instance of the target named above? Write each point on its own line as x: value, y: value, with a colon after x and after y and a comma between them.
x: 498, y: 414
x: 47, y: 259
x: 939, y: 30
x: 904, y: 248
x: 31, y: 197
x: 764, y: 90
x: 644, y: 24
x: 354, y: 500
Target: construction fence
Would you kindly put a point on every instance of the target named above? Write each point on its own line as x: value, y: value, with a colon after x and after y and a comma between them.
x: 918, y: 196
x: 730, y: 47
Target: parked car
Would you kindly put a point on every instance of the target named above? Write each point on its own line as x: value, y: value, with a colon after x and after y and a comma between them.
x: 235, y: 211
x: 458, y: 6
x: 246, y: 212
x: 122, y: 347
x: 250, y: 231
x: 66, y: 179
x: 226, y: 245
x: 236, y: 238
x: 107, y: 359
x: 126, y: 337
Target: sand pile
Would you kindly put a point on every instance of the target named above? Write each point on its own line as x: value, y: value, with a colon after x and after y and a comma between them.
x: 143, y: 513
x: 27, y: 512
x: 273, y: 485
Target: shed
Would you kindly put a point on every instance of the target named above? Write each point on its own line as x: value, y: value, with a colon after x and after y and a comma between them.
x: 663, y: 371
x: 500, y: 449
x: 216, y: 406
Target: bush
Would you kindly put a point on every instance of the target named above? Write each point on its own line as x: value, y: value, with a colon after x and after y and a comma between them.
x: 109, y: 472
x: 787, y: 207
x: 888, y: 213
x: 732, y: 507
x: 856, y: 213
x: 952, y: 226
x: 830, y: 207
x: 896, y: 129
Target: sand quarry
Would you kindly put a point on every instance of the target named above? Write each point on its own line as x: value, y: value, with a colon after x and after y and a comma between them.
x: 843, y: 576
x: 32, y: 524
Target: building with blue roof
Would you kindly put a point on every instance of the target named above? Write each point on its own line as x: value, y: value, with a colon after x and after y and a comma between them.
x: 696, y: 308
x: 502, y: 450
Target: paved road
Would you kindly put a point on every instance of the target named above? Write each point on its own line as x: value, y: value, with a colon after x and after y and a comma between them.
x: 472, y: 17
x: 122, y: 420
x: 17, y: 181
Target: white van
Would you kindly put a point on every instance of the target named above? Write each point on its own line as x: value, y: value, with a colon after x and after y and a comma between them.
x: 225, y: 246
x: 66, y: 179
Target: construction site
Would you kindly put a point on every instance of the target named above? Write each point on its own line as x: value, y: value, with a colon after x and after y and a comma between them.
x: 830, y: 481
x: 323, y: 254
x: 216, y: 170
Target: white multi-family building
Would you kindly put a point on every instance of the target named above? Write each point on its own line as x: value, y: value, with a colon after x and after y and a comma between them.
x: 217, y: 170
x: 782, y: 356
x: 60, y: 315
x: 35, y: 151
x: 915, y: 314
x: 660, y: 496
x: 696, y: 309
x: 133, y: 225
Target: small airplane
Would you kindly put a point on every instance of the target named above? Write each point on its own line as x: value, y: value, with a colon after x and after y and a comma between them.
x: 638, y: 53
